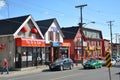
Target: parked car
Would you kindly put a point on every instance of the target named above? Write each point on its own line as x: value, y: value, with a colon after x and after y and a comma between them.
x: 61, y: 64
x: 113, y: 61
x: 117, y: 58
x: 92, y: 64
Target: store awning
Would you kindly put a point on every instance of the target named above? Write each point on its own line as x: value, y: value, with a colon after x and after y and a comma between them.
x: 30, y: 42
x: 66, y: 44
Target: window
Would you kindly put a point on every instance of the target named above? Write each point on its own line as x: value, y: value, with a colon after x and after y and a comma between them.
x: 21, y: 34
x: 50, y: 35
x: 57, y: 36
x: 33, y: 36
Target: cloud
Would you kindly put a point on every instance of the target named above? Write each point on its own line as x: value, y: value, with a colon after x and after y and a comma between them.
x: 2, y: 3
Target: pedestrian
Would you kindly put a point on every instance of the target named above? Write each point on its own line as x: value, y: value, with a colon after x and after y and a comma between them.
x: 5, y: 67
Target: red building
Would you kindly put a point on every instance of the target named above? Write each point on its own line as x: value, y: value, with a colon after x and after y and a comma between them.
x: 106, y: 45
x: 92, y: 42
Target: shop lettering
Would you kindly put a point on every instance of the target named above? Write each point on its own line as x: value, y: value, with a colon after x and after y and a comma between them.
x: 31, y: 42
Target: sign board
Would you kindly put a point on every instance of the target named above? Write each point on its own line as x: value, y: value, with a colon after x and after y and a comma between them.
x: 108, y: 59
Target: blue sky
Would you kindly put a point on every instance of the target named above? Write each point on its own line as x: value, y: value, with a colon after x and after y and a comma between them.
x: 100, y: 11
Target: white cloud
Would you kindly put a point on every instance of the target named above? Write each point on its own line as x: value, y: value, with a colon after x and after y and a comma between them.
x: 2, y: 3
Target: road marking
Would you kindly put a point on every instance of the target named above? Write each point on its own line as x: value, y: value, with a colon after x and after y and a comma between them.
x: 65, y: 76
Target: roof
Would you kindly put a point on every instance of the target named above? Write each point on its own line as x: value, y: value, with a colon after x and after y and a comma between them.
x: 93, y: 30
x: 10, y: 26
x: 44, y: 24
x: 70, y: 32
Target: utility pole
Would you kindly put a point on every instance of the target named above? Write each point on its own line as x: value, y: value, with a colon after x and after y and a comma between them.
x: 81, y: 25
x: 110, y: 24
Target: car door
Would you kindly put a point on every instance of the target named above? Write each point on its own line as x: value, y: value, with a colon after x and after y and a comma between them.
x: 65, y: 63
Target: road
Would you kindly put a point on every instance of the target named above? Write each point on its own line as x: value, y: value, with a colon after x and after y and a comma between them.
x: 74, y: 74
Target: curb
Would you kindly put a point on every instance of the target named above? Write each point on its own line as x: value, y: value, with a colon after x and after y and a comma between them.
x: 29, y: 70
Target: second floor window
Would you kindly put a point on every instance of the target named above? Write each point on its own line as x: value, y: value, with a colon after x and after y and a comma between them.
x: 50, y: 35
x: 33, y: 36
x: 21, y: 34
x: 57, y: 36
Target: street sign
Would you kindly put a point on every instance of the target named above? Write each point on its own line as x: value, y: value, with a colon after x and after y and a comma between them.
x: 108, y: 59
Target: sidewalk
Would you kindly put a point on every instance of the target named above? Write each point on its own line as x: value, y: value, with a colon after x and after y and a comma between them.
x: 29, y: 70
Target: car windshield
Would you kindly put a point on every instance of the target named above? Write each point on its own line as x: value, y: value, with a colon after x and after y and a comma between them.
x: 91, y: 61
x: 59, y: 60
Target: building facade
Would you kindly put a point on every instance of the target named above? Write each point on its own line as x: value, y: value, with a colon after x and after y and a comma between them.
x: 55, y: 47
x: 116, y: 49
x: 92, y: 42
x: 22, y: 42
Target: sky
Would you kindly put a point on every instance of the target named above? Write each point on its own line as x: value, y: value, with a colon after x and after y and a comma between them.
x: 99, y: 11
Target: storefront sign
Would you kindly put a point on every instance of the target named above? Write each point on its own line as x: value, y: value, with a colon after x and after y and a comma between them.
x: 66, y: 44
x: 55, y: 44
x: 30, y: 42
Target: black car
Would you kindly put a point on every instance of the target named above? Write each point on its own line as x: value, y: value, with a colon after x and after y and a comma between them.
x: 61, y: 64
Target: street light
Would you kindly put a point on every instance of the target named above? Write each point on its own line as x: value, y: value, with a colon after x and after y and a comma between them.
x: 80, y: 25
x: 93, y: 22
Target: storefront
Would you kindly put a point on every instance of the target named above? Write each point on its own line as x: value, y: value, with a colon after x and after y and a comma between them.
x: 29, y: 52
x: 65, y: 50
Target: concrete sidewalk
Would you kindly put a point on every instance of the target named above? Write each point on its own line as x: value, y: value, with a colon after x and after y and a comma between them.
x: 29, y: 70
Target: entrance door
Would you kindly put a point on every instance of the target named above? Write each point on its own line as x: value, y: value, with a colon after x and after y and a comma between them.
x: 18, y: 60
x: 56, y: 53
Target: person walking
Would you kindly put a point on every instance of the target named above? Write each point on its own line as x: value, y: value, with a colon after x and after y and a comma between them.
x: 5, y: 66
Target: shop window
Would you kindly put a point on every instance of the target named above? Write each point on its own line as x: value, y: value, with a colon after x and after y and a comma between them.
x: 24, y: 54
x: 29, y: 56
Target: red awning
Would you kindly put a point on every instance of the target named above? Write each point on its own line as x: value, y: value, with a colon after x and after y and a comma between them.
x: 24, y: 29
x: 30, y: 42
x: 2, y: 45
x: 34, y: 30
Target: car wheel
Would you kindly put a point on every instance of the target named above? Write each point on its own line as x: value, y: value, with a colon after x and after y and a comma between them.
x: 71, y: 66
x: 95, y: 67
x: 100, y: 66
x: 50, y: 69
x: 61, y: 68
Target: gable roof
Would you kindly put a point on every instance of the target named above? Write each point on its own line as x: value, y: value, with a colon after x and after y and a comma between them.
x: 10, y: 26
x: 70, y: 32
x: 45, y: 24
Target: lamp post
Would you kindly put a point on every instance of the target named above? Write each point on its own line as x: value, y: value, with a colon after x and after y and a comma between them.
x: 93, y: 22
x: 81, y: 25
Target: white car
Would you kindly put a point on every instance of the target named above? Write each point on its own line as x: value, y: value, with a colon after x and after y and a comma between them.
x: 113, y: 61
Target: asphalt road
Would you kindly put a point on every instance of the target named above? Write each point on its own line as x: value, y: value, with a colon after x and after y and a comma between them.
x: 74, y: 74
